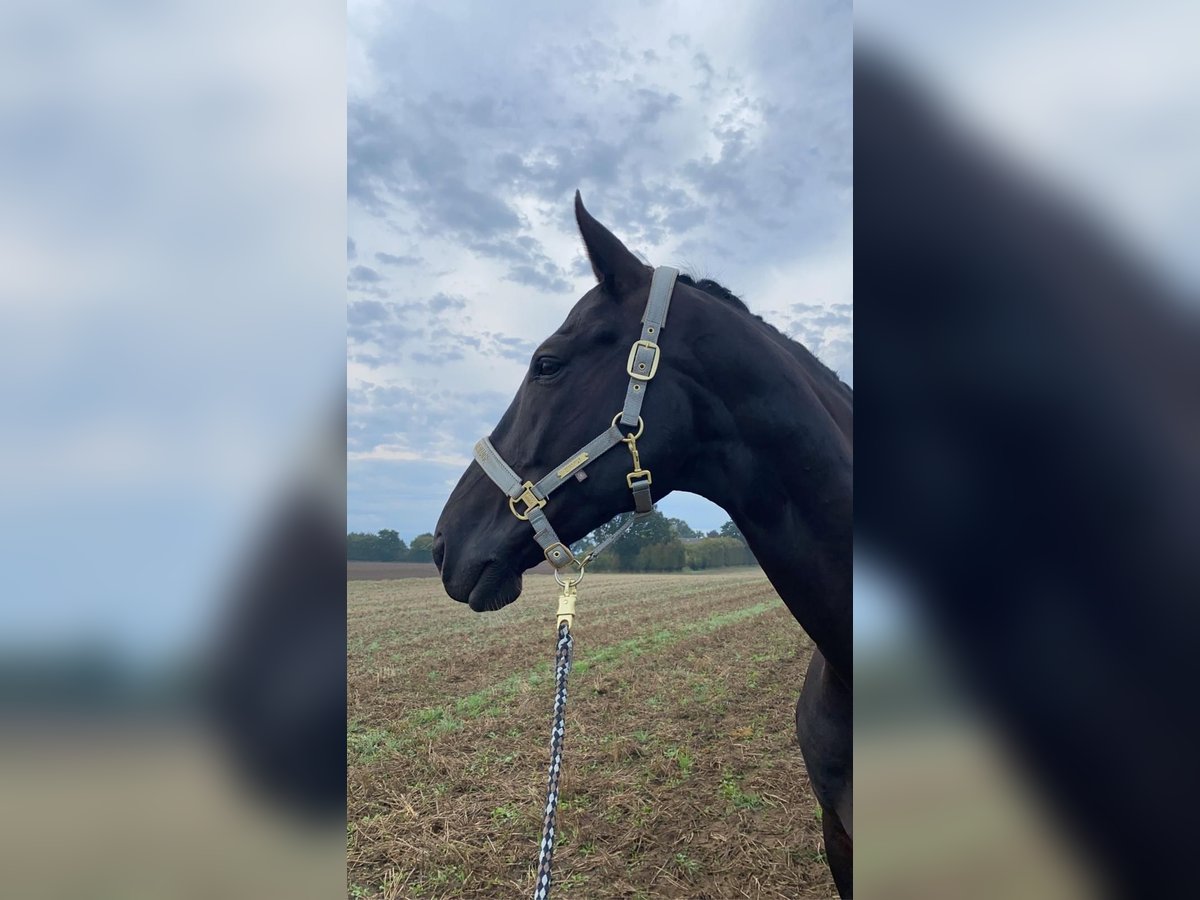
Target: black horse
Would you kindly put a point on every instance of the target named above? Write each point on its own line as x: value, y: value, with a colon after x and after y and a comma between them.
x: 737, y: 413
x: 1032, y: 468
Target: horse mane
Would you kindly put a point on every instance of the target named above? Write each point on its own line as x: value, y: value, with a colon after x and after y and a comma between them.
x: 715, y: 289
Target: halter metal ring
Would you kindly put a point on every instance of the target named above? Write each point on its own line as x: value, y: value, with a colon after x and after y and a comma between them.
x: 571, y: 581
x: 641, y: 427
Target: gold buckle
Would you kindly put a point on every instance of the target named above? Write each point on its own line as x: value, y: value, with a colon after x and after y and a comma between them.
x: 642, y: 376
x: 529, y: 499
x: 636, y: 474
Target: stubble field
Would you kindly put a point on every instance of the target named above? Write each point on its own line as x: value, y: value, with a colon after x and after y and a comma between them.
x: 682, y: 777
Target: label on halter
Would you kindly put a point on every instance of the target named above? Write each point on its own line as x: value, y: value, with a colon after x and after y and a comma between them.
x: 572, y: 465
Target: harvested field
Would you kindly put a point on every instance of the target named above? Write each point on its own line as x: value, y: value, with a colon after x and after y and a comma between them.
x: 387, y: 571
x: 682, y: 777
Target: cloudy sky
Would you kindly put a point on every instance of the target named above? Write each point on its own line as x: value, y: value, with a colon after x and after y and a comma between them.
x: 717, y: 141
x: 1100, y: 98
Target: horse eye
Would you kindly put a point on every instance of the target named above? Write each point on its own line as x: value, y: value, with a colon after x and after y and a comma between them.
x: 546, y: 366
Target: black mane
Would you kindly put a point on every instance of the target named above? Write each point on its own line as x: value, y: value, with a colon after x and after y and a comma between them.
x: 715, y: 289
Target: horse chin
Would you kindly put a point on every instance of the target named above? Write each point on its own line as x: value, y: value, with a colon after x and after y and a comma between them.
x: 497, y: 587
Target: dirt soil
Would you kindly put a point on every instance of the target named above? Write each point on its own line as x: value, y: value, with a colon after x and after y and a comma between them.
x: 682, y: 777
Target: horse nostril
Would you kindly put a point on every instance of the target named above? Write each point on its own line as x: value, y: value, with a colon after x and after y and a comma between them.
x: 439, y: 551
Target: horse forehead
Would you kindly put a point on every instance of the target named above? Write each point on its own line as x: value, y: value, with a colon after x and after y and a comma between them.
x: 587, y: 319
x: 601, y: 315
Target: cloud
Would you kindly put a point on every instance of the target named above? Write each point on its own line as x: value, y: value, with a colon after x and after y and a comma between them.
x: 419, y: 165
x: 366, y: 312
x: 392, y: 259
x: 429, y: 332
x: 405, y: 449
x: 722, y: 148
x: 442, y: 302
x: 653, y: 105
x: 826, y: 331
x: 545, y: 278
x: 364, y: 275
x: 399, y: 453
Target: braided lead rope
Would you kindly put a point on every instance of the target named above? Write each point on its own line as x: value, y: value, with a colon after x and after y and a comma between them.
x: 562, y: 668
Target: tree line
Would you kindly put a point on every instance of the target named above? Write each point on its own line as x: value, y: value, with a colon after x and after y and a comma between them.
x: 659, y: 544
x: 655, y: 544
x: 388, y: 546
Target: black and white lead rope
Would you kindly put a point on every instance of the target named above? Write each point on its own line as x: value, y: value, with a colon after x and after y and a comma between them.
x: 562, y: 668
x: 640, y: 366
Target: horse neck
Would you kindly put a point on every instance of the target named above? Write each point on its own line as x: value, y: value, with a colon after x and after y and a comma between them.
x: 778, y: 458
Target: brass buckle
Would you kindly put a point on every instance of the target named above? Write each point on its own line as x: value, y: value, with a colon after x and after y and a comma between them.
x: 642, y: 376
x: 529, y: 499
x: 636, y: 474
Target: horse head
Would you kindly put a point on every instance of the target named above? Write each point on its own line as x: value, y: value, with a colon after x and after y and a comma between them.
x: 576, y: 381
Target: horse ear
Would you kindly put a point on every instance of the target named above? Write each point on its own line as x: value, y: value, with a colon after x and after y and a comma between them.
x: 611, y: 260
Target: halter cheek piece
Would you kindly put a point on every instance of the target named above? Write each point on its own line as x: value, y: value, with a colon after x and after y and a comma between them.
x: 527, y: 499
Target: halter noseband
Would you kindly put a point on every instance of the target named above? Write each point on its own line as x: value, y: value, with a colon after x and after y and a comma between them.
x: 642, y: 365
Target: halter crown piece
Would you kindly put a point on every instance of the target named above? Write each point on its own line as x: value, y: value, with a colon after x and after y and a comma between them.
x: 641, y: 367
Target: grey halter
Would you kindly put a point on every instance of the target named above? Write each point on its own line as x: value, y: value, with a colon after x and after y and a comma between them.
x: 641, y: 367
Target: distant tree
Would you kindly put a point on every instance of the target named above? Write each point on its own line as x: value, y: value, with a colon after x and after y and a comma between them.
x: 666, y: 557
x: 421, y: 549
x: 731, y: 530
x: 716, y: 552
x: 391, y: 548
x: 620, y: 554
x: 627, y: 553
x: 360, y: 546
x: 682, y: 529
x: 385, y: 546
x: 713, y: 534
x: 654, y: 529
